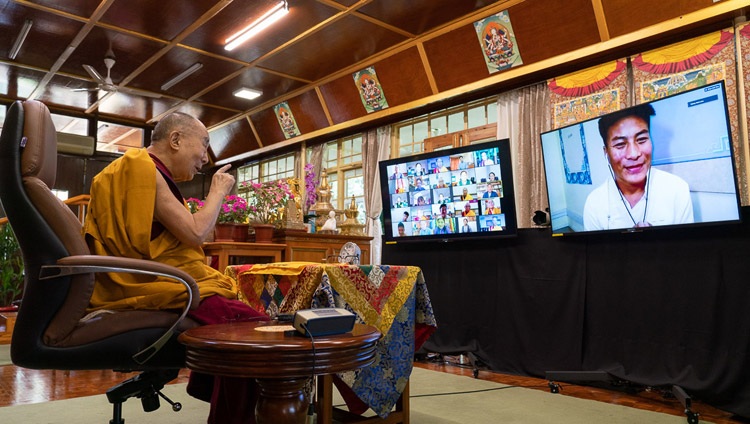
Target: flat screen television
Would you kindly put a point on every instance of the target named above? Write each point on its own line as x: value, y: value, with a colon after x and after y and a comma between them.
x: 666, y: 163
x: 452, y: 194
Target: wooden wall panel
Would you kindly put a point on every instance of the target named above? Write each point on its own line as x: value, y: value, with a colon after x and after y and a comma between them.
x: 233, y: 139
x: 542, y: 30
x: 267, y: 126
x: 208, y: 115
x: 625, y: 16
x: 402, y: 77
x: 308, y: 112
x: 93, y: 166
x: 342, y: 98
x: 70, y: 174
x: 198, y: 187
x: 456, y: 58
x: 547, y: 29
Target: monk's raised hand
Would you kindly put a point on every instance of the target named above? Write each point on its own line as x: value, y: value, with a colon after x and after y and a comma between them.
x: 222, y: 181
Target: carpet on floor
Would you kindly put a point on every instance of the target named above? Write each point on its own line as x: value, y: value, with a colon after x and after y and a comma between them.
x: 436, y: 398
x: 5, y: 355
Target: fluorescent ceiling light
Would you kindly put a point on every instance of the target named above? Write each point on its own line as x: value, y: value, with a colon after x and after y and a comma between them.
x: 184, y: 74
x: 259, y: 25
x: 248, y: 93
x: 21, y: 38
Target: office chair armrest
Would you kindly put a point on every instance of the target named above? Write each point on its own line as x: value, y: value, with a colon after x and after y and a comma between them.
x: 99, y: 263
x: 82, y: 264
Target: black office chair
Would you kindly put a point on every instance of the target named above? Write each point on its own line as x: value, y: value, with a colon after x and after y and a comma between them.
x: 50, y: 332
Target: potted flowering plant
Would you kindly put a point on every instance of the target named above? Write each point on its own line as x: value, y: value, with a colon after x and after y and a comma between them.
x: 232, y: 220
x: 234, y: 210
x: 266, y: 201
x: 231, y: 223
x: 194, y: 204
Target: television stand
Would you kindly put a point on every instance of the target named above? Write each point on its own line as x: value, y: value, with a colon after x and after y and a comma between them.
x: 679, y: 393
x: 604, y: 377
x: 463, y: 360
x: 579, y: 376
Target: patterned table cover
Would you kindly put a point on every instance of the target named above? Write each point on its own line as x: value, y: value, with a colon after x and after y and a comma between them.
x: 394, y: 299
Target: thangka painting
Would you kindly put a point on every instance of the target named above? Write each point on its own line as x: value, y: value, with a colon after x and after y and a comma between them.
x: 693, y: 63
x: 586, y: 107
x: 498, y: 43
x: 682, y: 81
x: 370, y: 90
x: 588, y: 93
x: 286, y: 120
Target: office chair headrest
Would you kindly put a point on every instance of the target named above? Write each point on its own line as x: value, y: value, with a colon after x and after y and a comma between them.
x: 39, y: 157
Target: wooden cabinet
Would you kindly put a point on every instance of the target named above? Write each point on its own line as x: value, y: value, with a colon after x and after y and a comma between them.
x: 461, y: 138
x: 7, y: 322
x: 301, y: 246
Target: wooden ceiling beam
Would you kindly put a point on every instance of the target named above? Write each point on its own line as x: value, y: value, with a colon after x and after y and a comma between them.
x: 601, y: 20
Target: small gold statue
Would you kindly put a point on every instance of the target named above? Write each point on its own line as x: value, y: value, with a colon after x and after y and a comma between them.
x: 322, y: 205
x: 351, y: 226
x: 290, y: 217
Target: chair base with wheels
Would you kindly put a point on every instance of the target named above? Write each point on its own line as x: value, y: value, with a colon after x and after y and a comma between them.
x: 145, y: 386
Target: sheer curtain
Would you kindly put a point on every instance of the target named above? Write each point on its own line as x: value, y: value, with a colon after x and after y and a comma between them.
x: 376, y: 146
x: 522, y: 115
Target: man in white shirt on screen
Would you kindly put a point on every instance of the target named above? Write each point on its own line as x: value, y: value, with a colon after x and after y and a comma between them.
x: 637, y: 195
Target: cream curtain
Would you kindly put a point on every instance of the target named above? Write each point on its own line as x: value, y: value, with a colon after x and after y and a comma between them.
x: 522, y: 116
x: 376, y: 146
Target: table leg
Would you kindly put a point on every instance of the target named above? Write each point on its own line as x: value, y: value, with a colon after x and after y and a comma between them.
x: 281, y: 401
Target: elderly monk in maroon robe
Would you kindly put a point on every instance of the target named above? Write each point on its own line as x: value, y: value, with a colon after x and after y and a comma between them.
x: 137, y: 211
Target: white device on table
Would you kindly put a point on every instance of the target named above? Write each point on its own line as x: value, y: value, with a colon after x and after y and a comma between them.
x: 323, y: 321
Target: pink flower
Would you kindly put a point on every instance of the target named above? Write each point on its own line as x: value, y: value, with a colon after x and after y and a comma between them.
x: 266, y: 200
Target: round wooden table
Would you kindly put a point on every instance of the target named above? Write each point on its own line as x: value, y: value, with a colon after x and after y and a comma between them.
x: 280, y: 361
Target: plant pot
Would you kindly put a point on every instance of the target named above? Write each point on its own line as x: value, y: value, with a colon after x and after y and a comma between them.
x: 263, y: 233
x: 223, y: 232
x: 240, y: 232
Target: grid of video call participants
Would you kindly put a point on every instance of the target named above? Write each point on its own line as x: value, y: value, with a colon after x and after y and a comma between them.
x: 446, y: 195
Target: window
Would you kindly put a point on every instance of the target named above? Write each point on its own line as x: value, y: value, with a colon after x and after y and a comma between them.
x: 117, y: 138
x: 110, y: 137
x: 411, y: 136
x: 411, y: 133
x: 271, y: 169
x: 342, y: 160
x: 276, y: 168
x: 60, y: 194
x: 70, y: 125
x: 249, y: 173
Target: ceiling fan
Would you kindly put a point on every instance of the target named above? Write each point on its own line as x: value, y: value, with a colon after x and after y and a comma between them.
x: 106, y: 85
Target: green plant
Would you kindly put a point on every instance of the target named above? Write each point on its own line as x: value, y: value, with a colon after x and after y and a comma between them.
x: 11, y: 266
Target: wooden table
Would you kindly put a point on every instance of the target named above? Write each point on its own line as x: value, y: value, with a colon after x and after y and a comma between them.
x: 7, y: 320
x: 281, y: 361
x: 226, y: 249
x: 393, y: 299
